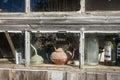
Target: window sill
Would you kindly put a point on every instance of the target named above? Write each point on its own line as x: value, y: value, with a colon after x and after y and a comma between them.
x: 39, y: 67
x: 103, y: 13
x: 6, y: 64
x: 102, y: 68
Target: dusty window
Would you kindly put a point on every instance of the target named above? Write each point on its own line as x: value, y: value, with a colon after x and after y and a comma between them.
x: 55, y: 5
x: 12, y: 6
x: 109, y: 5
x: 11, y: 48
x: 102, y: 49
x: 55, y: 48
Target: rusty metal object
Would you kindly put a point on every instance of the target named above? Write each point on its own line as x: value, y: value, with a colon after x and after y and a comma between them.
x: 59, y: 56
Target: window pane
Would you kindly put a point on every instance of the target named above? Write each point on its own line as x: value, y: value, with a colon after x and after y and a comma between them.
x: 104, y: 47
x: 8, y: 43
x: 12, y: 6
x: 44, y: 48
x: 55, y: 5
x: 109, y: 5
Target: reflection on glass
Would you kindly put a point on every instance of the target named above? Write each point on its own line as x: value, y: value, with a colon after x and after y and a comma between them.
x: 45, y: 44
x: 55, y: 5
x: 104, y: 5
x: 92, y: 49
x: 12, y: 5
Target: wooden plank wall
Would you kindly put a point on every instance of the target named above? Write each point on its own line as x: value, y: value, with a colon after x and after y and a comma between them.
x: 57, y: 75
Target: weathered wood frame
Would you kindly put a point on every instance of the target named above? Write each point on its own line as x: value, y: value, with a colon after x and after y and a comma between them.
x: 27, y: 8
x: 82, y: 3
x: 94, y: 32
x: 82, y: 29
x: 27, y: 45
x: 27, y: 48
x: 81, y: 22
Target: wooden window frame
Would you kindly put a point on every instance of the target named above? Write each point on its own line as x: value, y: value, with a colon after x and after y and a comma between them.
x: 27, y: 9
x: 27, y: 45
x: 94, y: 32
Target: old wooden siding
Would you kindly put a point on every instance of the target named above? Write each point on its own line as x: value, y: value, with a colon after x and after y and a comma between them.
x: 51, y: 21
x: 4, y: 75
x: 31, y: 74
x: 95, y: 76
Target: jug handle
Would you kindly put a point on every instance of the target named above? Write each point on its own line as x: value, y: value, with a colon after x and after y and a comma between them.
x: 34, y: 49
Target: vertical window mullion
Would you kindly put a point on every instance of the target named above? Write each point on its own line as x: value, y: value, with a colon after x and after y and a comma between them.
x: 82, y: 4
x: 82, y: 43
x: 27, y: 6
x: 27, y: 48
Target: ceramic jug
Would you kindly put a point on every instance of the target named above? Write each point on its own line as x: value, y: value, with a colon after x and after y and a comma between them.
x: 36, y: 59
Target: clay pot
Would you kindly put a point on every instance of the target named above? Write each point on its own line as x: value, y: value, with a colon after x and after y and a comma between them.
x: 59, y: 56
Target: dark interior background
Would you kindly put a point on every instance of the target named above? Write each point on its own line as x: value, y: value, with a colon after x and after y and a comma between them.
x: 109, y: 5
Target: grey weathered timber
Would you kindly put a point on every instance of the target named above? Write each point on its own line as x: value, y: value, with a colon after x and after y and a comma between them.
x: 95, y: 76
x: 56, y: 18
x: 82, y: 49
x: 78, y: 20
x: 54, y: 74
x: 18, y: 75
x: 27, y: 48
x: 11, y: 43
x: 37, y: 27
x: 82, y: 2
x: 91, y: 76
x: 101, y: 76
x: 81, y: 21
x: 37, y: 75
x: 58, y: 21
x: 13, y: 28
x: 27, y: 6
x: 113, y: 76
x: 4, y: 75
x: 76, y: 75
x: 57, y: 75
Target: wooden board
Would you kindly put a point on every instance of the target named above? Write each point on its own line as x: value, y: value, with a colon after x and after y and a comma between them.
x: 51, y: 74
x: 10, y: 43
x: 4, y: 74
